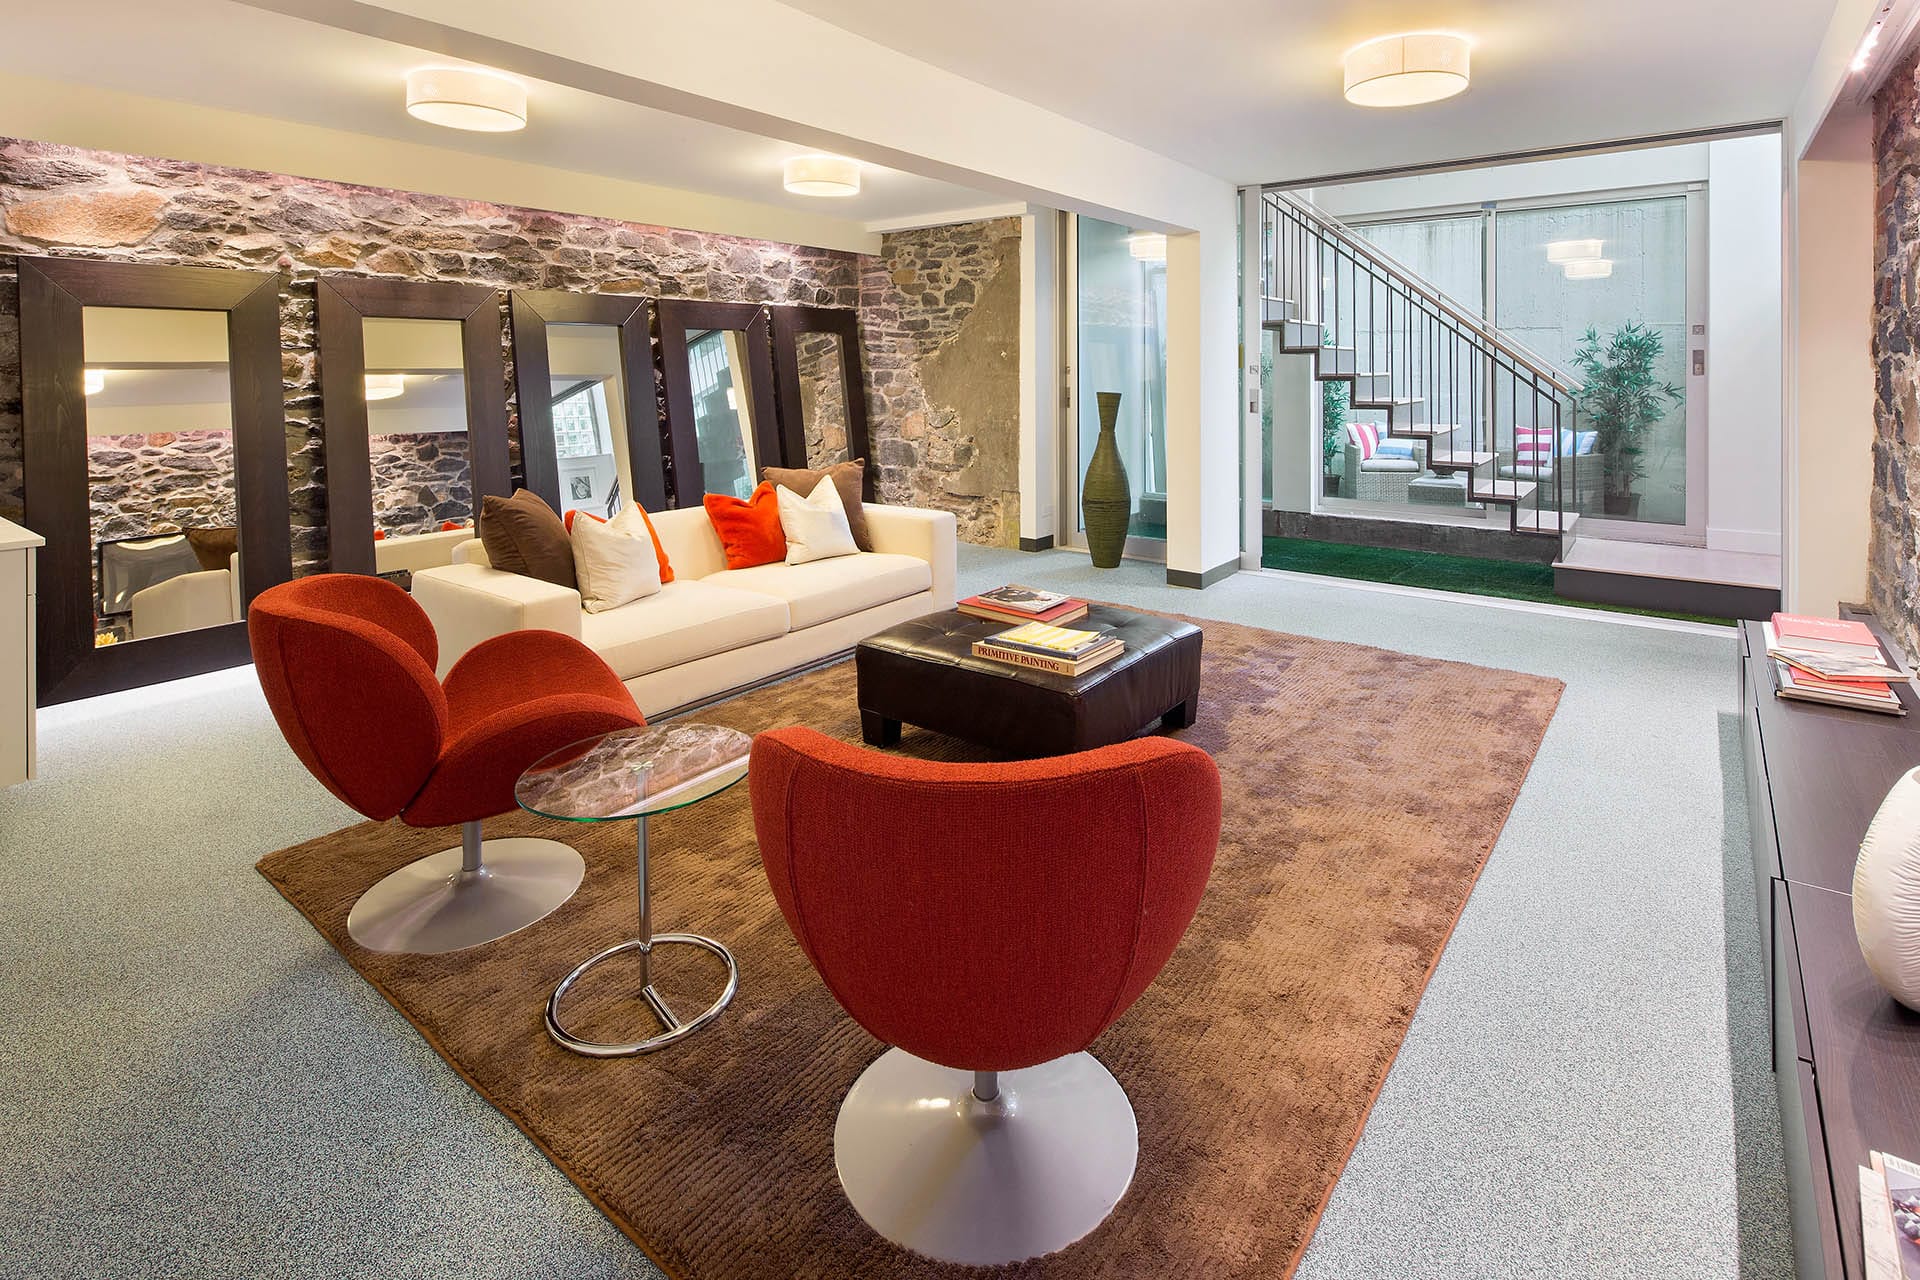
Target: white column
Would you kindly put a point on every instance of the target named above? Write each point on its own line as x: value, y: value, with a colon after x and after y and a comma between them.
x: 1828, y: 441
x: 1040, y: 378
x: 1204, y: 412
x: 1252, y: 463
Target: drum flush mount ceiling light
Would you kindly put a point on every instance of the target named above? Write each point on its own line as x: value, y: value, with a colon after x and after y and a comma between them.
x: 822, y: 176
x: 467, y: 98
x: 1406, y: 70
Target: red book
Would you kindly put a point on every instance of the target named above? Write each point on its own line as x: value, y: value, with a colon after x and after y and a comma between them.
x: 1065, y: 611
x: 1796, y: 631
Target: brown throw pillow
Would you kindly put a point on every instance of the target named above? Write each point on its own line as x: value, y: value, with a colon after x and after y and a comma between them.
x: 522, y: 535
x: 848, y: 478
x: 214, y: 548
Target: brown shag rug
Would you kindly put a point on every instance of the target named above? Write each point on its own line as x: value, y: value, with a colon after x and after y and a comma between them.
x: 1364, y: 791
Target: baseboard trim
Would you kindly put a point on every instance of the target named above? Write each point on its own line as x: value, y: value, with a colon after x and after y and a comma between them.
x: 1201, y: 581
x: 1042, y: 543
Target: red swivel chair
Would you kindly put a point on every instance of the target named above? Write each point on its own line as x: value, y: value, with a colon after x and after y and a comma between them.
x: 347, y: 665
x: 989, y: 921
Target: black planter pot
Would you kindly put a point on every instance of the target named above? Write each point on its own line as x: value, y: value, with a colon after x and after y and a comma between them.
x: 1329, y: 486
x: 1626, y: 505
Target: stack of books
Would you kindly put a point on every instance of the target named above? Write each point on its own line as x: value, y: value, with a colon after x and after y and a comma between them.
x: 1890, y: 1218
x: 1041, y: 647
x: 1018, y: 604
x: 1833, y: 662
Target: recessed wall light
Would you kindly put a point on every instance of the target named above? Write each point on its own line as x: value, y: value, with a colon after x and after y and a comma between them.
x: 1407, y: 70
x: 1147, y: 246
x: 1590, y: 269
x: 95, y: 381
x: 467, y: 98
x: 1561, y: 252
x: 385, y: 386
x: 822, y: 176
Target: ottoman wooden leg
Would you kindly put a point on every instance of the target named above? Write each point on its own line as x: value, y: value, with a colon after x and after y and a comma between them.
x: 877, y: 730
x: 1182, y: 716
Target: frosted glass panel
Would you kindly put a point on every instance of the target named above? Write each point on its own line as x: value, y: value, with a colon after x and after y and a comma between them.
x: 1631, y: 268
x: 1123, y: 348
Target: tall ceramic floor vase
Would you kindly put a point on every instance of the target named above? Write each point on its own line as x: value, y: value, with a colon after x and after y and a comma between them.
x: 1106, y: 499
x: 1886, y: 892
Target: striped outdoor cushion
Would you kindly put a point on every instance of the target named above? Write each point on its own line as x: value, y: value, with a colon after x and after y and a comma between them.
x: 1532, y: 447
x: 1365, y: 437
x: 1394, y: 449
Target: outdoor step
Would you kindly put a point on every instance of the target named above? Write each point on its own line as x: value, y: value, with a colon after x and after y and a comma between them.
x: 1550, y: 523
x: 1395, y: 402
x: 1426, y: 430
x: 1502, y: 490
x: 1458, y: 459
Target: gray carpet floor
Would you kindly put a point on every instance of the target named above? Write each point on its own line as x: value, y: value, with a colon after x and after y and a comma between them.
x: 197, y: 1085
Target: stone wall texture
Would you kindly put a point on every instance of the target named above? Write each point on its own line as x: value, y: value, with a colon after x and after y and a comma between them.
x: 1893, y: 570
x: 943, y: 328
x: 940, y: 326
x: 420, y: 479
x: 160, y: 483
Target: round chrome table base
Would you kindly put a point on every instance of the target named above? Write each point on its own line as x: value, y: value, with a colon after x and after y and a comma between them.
x: 936, y: 1170
x: 435, y: 905
x: 676, y: 1028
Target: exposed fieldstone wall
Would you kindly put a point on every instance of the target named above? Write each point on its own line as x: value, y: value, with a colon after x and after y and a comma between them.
x: 823, y: 397
x: 940, y: 323
x: 160, y: 483
x: 70, y: 202
x: 1893, y: 569
x: 420, y: 479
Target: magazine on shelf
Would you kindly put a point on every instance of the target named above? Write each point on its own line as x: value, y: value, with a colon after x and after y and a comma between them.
x: 1801, y: 687
x: 1890, y: 1219
x: 1878, y: 1241
x: 1830, y: 665
x: 1826, y: 635
x: 1026, y: 601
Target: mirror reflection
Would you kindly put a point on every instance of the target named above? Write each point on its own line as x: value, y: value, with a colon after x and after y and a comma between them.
x: 723, y: 409
x: 823, y: 397
x: 417, y: 441
x: 162, y: 503
x: 589, y: 418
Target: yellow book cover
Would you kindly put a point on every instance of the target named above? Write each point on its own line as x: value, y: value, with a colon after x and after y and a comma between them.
x: 1063, y: 640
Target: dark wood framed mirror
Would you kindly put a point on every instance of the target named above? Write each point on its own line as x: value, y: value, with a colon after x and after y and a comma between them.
x: 717, y: 363
x: 823, y: 392
x: 414, y: 397
x: 156, y: 466
x: 589, y: 424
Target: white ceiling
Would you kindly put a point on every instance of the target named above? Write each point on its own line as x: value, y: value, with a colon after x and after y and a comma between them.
x: 1250, y: 90
x: 214, y: 53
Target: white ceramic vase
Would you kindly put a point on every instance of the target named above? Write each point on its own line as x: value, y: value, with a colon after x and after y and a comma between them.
x: 1886, y: 892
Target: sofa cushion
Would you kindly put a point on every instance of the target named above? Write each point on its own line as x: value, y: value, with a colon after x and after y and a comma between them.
x: 749, y: 527
x: 848, y: 479
x: 684, y: 620
x: 523, y: 535
x: 823, y: 590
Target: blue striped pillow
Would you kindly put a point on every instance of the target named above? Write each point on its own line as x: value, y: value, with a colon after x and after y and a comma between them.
x: 1394, y: 449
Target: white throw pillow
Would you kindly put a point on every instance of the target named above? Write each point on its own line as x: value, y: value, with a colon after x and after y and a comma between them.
x: 816, y: 525
x: 614, y: 560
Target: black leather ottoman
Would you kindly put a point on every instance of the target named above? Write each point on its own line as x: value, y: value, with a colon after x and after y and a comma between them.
x: 923, y: 672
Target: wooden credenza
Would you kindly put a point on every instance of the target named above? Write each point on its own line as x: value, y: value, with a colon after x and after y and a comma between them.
x: 1846, y: 1057
x: 17, y: 549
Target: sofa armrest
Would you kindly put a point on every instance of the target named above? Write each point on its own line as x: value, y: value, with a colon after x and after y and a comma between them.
x: 184, y: 602
x: 932, y: 536
x: 468, y: 603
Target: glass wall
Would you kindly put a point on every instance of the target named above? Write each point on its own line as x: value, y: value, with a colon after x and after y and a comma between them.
x: 1609, y: 279
x: 1121, y: 319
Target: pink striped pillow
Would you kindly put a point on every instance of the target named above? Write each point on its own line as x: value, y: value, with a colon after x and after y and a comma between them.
x: 1532, y: 447
x: 1365, y: 437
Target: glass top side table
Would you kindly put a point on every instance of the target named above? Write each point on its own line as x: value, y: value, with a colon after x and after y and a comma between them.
x: 636, y: 774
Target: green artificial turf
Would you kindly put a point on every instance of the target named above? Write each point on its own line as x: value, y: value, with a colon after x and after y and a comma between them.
x: 1506, y: 579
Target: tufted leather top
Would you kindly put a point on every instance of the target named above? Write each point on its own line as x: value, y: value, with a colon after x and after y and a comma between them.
x: 923, y: 672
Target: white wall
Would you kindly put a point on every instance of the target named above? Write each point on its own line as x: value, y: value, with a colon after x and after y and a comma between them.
x: 1744, y: 310
x: 1040, y: 378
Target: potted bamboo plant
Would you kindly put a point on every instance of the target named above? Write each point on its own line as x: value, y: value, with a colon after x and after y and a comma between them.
x: 1622, y: 399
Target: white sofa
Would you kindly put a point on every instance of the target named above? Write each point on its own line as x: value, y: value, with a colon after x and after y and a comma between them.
x: 188, y: 602
x: 712, y: 628
x: 417, y: 551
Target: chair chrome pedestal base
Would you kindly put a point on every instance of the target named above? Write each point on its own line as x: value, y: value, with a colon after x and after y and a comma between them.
x: 466, y: 896
x: 933, y: 1168
x: 676, y: 1028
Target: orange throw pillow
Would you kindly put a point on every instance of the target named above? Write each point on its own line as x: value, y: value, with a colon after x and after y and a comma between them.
x: 660, y: 552
x: 749, y: 528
